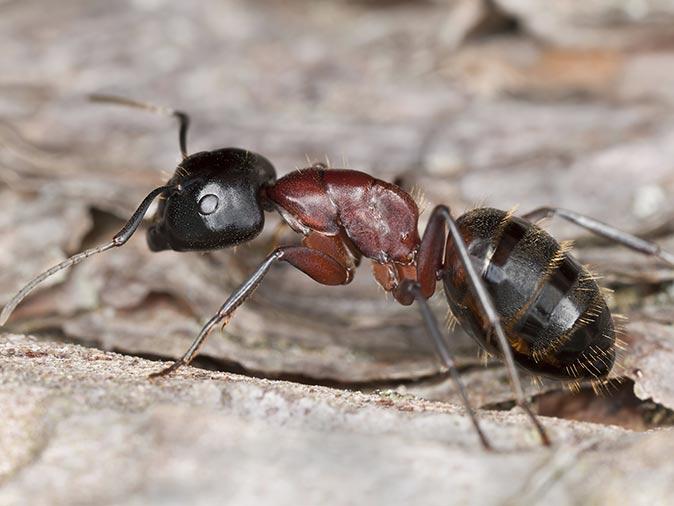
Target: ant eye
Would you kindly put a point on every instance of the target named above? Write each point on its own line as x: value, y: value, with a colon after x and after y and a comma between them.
x: 208, y: 204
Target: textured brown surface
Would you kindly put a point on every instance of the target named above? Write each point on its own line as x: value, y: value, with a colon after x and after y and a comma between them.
x: 82, y: 426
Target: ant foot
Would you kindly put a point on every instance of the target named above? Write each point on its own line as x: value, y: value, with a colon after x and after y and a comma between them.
x: 167, y: 370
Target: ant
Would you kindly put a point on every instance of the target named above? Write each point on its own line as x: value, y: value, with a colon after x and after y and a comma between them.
x: 511, y: 285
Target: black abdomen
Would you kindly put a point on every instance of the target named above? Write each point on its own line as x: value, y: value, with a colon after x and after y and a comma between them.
x: 551, y: 308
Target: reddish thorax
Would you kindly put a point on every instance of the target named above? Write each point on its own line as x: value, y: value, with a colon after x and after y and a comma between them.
x: 373, y: 218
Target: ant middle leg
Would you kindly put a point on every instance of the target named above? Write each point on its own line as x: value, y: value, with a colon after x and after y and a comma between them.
x: 445, y: 354
x: 604, y: 230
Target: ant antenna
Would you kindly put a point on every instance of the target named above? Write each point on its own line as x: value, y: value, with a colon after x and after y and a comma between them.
x: 183, y: 118
x: 118, y: 240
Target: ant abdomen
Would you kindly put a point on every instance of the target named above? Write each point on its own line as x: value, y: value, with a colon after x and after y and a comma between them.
x: 551, y: 308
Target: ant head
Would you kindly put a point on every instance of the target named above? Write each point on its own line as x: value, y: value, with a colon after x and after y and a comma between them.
x: 216, y: 201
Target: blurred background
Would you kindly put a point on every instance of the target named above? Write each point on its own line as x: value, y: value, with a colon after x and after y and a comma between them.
x: 473, y: 102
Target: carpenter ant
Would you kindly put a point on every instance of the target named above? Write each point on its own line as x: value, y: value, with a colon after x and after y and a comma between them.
x: 513, y: 287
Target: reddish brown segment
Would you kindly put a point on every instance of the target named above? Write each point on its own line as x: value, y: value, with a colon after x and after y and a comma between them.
x: 302, y: 199
x: 390, y: 277
x: 335, y: 247
x: 378, y: 217
x: 320, y: 266
x: 429, y: 259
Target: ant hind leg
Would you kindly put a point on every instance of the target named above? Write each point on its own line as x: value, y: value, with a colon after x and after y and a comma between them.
x: 604, y: 230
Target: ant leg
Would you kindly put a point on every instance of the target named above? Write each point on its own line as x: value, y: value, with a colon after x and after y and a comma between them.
x: 602, y: 229
x: 182, y: 117
x: 225, y: 312
x: 480, y: 291
x: 118, y: 240
x: 315, y: 263
x: 445, y: 355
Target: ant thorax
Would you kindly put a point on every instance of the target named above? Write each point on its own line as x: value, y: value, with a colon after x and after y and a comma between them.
x: 379, y: 218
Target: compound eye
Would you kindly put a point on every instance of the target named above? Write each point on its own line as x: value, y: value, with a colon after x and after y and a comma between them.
x: 208, y: 204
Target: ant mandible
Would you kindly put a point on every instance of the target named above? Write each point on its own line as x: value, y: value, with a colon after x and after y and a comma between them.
x: 506, y: 280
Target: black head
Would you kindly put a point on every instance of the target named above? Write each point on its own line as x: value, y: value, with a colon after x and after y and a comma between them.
x: 216, y: 202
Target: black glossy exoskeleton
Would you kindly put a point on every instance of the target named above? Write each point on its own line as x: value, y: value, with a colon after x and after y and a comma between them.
x: 550, y: 306
x: 217, y: 205
x: 515, y: 289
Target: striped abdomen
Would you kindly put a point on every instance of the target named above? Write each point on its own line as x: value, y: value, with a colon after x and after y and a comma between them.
x: 551, y: 308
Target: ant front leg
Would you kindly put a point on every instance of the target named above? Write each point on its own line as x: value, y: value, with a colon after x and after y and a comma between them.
x: 430, y: 262
x: 320, y: 266
x: 604, y: 230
